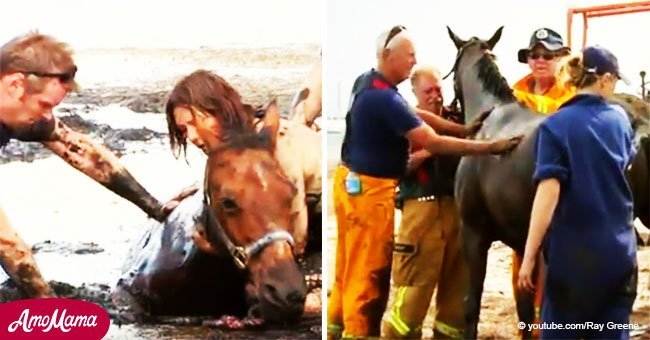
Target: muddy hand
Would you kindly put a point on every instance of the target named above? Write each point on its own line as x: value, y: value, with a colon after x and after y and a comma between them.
x: 504, y: 146
x: 228, y: 322
x: 475, y: 125
x: 170, y: 205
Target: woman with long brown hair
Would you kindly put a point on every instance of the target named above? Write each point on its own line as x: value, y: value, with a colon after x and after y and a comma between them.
x: 203, y: 104
x: 198, y: 105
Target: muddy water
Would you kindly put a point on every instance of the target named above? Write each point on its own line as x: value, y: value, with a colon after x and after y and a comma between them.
x: 123, y: 325
x: 309, y: 326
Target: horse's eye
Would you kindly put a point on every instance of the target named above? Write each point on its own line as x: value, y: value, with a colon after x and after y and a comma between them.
x: 229, y: 205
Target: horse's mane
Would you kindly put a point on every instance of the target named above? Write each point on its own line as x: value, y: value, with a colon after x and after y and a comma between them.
x: 493, y: 81
x: 244, y: 139
x: 638, y: 111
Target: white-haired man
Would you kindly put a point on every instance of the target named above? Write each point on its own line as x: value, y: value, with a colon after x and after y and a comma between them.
x: 427, y: 252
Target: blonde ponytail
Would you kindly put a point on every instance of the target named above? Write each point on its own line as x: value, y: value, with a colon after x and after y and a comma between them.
x: 575, y: 73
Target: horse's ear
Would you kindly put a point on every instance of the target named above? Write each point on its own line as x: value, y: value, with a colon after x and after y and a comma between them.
x: 302, y: 95
x: 457, y: 41
x: 271, y: 120
x: 495, y: 38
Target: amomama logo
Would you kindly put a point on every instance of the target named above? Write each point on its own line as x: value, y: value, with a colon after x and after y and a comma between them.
x: 52, y: 319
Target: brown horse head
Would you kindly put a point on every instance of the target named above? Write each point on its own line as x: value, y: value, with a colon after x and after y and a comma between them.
x: 250, y: 200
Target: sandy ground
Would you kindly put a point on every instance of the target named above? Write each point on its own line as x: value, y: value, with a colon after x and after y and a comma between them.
x: 498, y: 318
x: 46, y: 199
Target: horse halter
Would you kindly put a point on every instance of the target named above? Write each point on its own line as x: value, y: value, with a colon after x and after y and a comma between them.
x: 241, y: 254
x: 458, y: 95
x: 457, y: 98
x: 459, y: 54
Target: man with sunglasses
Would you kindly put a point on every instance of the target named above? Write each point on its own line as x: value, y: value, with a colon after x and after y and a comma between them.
x: 541, y: 90
x: 379, y: 127
x: 36, y: 73
x: 427, y: 252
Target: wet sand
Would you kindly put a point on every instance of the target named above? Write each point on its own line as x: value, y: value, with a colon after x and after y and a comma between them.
x: 498, y: 318
x: 47, y: 200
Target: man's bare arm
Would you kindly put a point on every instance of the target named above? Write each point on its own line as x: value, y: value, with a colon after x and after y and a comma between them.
x: 103, y: 166
x: 441, y: 125
x: 18, y: 262
x: 436, y: 144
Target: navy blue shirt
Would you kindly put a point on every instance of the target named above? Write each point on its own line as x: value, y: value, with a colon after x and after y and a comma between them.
x: 591, y: 245
x: 378, y: 119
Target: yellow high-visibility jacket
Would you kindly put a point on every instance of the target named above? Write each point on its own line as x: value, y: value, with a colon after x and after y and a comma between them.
x: 546, y: 103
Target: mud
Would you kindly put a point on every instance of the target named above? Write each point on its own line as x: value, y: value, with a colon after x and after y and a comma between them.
x: 115, y: 139
x: 129, y: 326
x: 95, y: 293
x: 152, y: 100
x: 257, y: 74
x: 137, y: 100
x: 65, y: 248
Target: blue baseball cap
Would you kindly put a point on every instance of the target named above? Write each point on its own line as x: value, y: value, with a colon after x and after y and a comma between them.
x: 547, y: 38
x: 599, y: 60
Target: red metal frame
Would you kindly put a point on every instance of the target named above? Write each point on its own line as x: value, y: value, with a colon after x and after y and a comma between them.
x: 601, y: 11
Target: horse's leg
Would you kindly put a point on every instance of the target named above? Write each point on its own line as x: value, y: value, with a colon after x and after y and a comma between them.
x: 475, y: 247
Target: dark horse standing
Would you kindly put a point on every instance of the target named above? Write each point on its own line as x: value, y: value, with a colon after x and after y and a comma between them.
x: 495, y: 193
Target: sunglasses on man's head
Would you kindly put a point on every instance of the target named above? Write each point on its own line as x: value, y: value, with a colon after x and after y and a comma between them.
x: 545, y: 55
x: 393, y: 32
x: 65, y: 77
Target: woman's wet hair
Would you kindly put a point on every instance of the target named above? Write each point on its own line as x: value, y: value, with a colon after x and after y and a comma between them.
x: 205, y: 91
x: 577, y: 75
